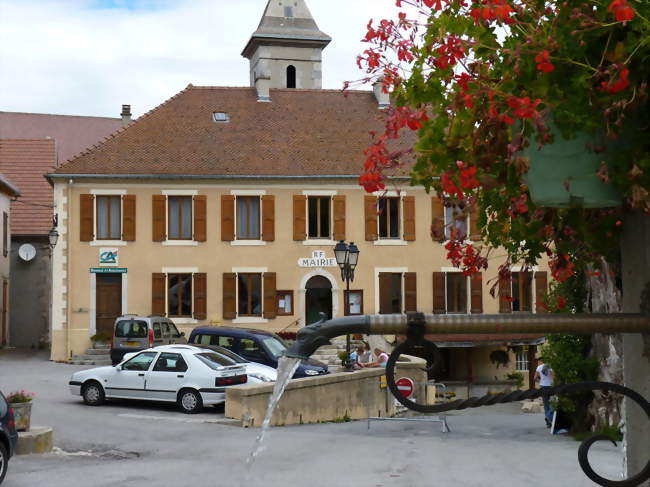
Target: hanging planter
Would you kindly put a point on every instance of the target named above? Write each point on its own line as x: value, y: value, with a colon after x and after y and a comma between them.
x: 563, y: 174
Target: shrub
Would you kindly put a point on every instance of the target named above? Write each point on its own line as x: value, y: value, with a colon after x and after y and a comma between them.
x: 20, y: 396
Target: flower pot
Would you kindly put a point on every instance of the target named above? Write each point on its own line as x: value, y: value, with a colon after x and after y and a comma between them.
x: 563, y: 174
x: 22, y: 414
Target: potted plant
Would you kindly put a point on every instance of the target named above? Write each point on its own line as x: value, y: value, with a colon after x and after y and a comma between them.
x: 101, y: 340
x: 21, y: 403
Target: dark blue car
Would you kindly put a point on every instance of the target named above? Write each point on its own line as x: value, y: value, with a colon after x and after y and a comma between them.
x: 255, y: 345
x: 8, y: 436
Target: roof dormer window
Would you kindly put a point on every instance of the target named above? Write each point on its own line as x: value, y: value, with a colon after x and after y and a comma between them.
x: 221, y: 117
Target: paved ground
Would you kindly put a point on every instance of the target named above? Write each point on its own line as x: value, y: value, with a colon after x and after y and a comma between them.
x: 133, y: 444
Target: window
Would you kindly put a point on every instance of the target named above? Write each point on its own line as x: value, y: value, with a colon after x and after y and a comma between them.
x: 170, y: 362
x: 251, y: 350
x: 179, y: 299
x: 225, y: 342
x: 215, y: 361
x: 250, y: 294
x: 291, y: 76
x: 5, y: 234
x: 131, y: 329
x: 179, y: 217
x: 521, y: 354
x: 390, y: 293
x: 142, y: 361
x: 221, y: 117
x: 318, y: 211
x: 288, y: 12
x: 389, y: 217
x: 456, y: 223
x: 285, y: 302
x: 156, y: 330
x: 109, y: 219
x: 456, y: 292
x: 522, y: 291
x: 353, y: 303
x: 248, y: 217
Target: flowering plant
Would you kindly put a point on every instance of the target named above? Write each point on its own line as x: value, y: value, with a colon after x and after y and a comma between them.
x: 482, y: 80
x: 20, y: 396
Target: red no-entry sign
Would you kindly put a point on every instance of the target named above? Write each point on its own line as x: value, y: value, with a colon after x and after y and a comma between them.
x: 405, y: 386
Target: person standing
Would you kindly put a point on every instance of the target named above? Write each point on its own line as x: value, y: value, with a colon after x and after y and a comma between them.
x: 544, y: 375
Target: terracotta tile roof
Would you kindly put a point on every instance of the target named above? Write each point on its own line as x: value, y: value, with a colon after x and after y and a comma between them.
x: 72, y: 133
x: 25, y: 162
x: 300, y: 133
x: 8, y: 187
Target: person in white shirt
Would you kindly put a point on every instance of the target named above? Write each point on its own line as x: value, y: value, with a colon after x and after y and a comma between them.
x: 544, y: 375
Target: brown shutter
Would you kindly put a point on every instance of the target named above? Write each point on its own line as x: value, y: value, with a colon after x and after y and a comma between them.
x: 385, y: 306
x: 338, y: 203
x: 227, y: 219
x: 299, y: 217
x: 541, y: 285
x: 409, y: 218
x: 476, y: 298
x: 86, y: 214
x: 437, y: 219
x: 200, y: 296
x: 158, y: 293
x: 159, y: 210
x: 474, y: 231
x: 200, y: 219
x: 268, y: 218
x: 505, y: 294
x: 410, y: 292
x: 439, y: 281
x: 229, y: 296
x: 370, y: 207
x: 270, y: 300
x: 128, y: 217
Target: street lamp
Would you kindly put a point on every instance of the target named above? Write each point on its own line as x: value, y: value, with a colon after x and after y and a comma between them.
x: 53, y: 237
x: 347, y: 257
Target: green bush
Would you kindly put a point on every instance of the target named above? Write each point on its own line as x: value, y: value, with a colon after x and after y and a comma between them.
x: 518, y: 376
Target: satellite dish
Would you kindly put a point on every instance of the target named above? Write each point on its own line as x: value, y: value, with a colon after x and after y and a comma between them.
x: 26, y: 252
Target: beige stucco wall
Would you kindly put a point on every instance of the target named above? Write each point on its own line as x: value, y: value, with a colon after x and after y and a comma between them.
x: 72, y: 259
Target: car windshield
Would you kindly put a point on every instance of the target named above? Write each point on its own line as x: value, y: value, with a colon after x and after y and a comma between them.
x: 231, y: 355
x: 214, y: 360
x: 275, y: 346
x: 131, y: 329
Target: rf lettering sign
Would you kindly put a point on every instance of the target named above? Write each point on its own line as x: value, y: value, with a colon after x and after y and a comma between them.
x: 317, y: 259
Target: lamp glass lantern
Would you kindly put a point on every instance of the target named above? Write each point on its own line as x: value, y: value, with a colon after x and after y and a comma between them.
x: 53, y: 237
x: 341, y: 253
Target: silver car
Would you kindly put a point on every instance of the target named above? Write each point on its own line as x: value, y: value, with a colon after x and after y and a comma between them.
x: 133, y: 333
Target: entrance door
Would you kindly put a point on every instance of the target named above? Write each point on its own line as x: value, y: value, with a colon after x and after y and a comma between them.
x: 109, y: 301
x: 318, y: 299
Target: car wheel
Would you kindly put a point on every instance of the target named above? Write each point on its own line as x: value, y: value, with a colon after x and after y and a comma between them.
x: 93, y: 393
x: 4, y: 460
x: 190, y: 401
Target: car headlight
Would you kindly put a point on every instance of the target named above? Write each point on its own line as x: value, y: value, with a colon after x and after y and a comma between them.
x: 261, y: 377
x: 311, y: 372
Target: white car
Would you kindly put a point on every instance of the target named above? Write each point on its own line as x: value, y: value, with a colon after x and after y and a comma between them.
x: 191, y: 376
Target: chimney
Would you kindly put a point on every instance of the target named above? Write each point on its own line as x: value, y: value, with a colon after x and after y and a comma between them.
x: 126, y: 115
x: 383, y: 98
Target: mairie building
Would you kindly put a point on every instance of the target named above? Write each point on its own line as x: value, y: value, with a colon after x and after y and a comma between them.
x: 223, y: 205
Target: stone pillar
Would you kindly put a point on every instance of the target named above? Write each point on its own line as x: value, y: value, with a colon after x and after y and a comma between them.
x: 635, y: 251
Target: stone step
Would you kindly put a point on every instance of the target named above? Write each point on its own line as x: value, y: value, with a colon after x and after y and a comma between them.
x: 98, y: 351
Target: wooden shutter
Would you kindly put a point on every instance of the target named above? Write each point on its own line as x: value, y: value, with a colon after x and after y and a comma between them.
x: 158, y: 294
x: 227, y: 218
x: 229, y: 296
x: 410, y: 292
x: 200, y: 296
x: 439, y: 285
x: 270, y: 299
x: 86, y: 215
x: 200, y: 219
x: 409, y: 218
x: 541, y: 285
x: 437, y: 219
x: 268, y: 218
x: 370, y: 207
x: 299, y: 217
x: 476, y: 296
x: 338, y: 203
x: 474, y: 231
x: 505, y: 294
x: 128, y: 217
x: 159, y: 210
x: 385, y: 305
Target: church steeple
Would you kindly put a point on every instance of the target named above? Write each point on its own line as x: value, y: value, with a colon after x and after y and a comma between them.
x: 286, y: 49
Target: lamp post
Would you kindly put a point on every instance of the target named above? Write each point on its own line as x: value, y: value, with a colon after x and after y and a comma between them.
x: 347, y: 257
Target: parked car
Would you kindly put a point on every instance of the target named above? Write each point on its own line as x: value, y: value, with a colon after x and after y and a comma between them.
x: 256, y: 372
x: 255, y: 345
x: 8, y: 436
x: 133, y: 333
x: 192, y: 377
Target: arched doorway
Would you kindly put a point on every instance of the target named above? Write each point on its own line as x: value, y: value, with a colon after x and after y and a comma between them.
x: 318, y: 299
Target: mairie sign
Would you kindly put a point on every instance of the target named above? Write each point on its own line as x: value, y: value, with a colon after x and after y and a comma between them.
x: 317, y: 259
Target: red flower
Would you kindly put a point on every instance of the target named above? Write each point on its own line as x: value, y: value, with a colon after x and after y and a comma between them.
x: 619, y: 85
x: 371, y: 182
x: 621, y: 10
x: 543, y: 62
x: 524, y: 107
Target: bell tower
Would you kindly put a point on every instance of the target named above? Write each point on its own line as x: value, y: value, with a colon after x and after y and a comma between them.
x: 286, y: 50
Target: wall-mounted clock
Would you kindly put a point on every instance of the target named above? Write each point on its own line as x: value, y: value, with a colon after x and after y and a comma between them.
x: 26, y: 252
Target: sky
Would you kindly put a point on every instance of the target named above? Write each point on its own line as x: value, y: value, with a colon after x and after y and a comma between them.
x: 88, y: 57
